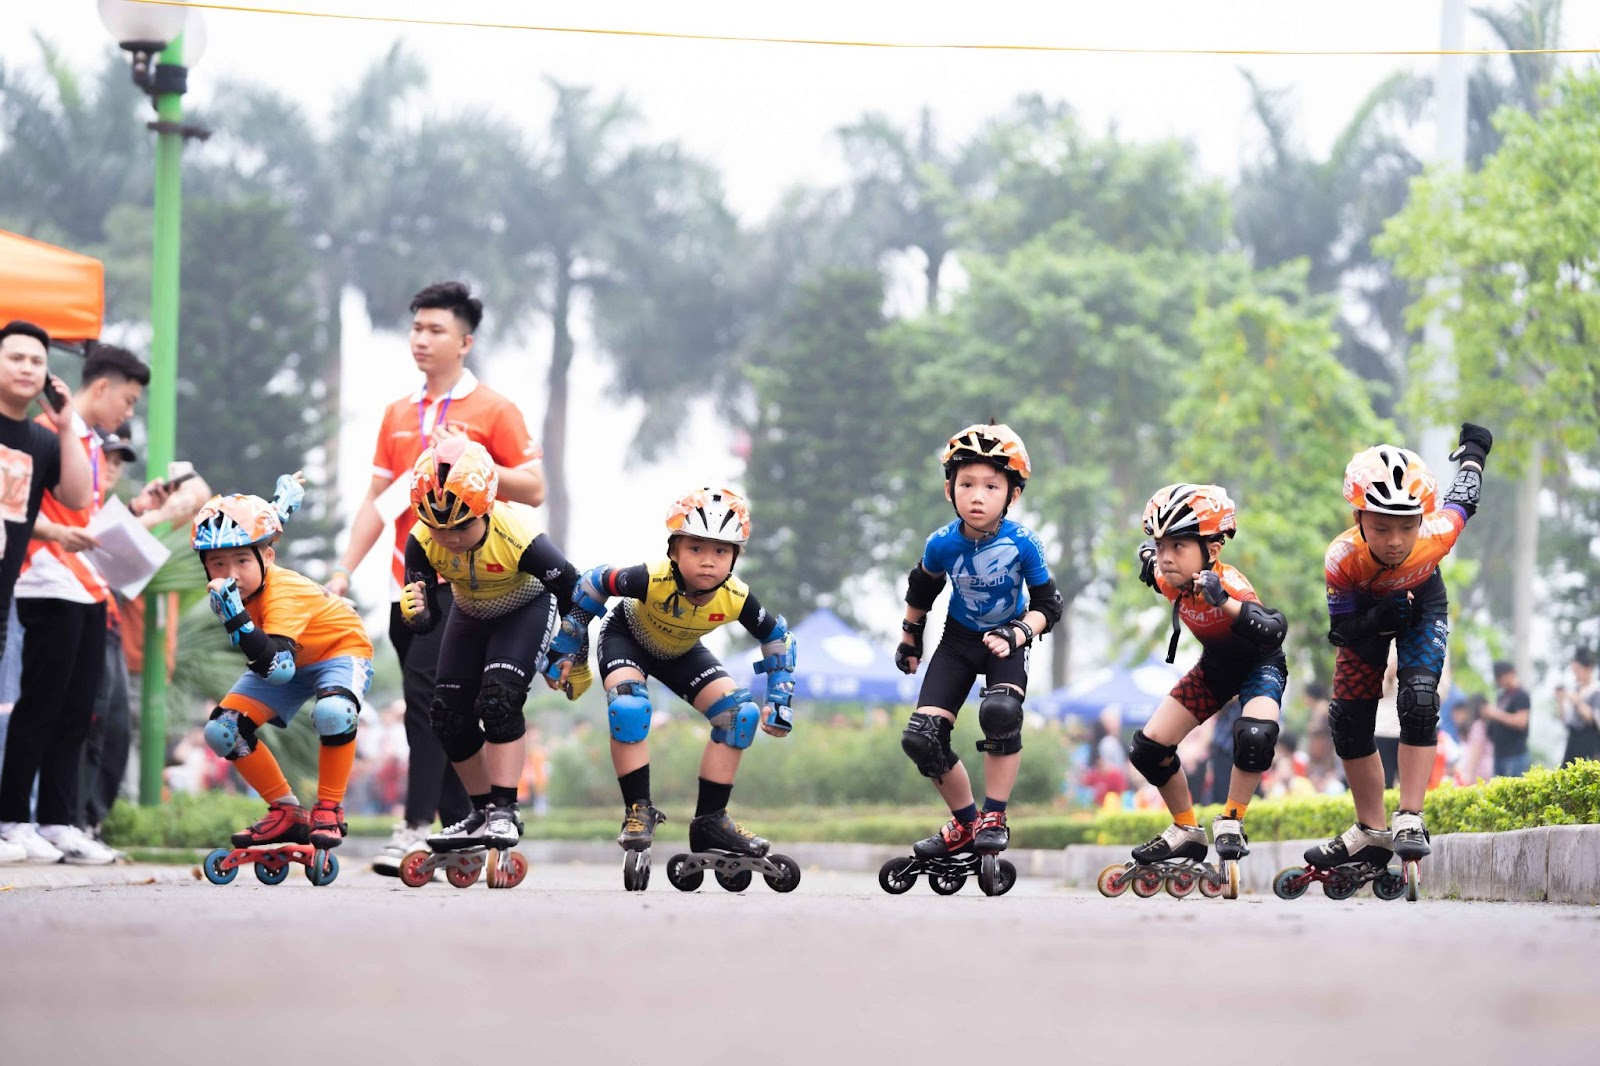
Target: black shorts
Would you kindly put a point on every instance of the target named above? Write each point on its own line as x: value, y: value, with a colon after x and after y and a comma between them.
x: 512, y: 645
x: 686, y: 675
x: 958, y: 660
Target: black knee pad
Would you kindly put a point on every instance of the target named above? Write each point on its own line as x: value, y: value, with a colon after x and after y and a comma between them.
x: 1417, y: 700
x: 1000, y: 718
x: 1351, y: 722
x: 927, y: 742
x: 1157, y: 762
x: 500, y: 701
x: 454, y: 725
x: 1254, y: 742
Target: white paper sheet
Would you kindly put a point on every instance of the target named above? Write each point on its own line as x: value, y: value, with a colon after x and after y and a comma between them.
x: 128, y: 555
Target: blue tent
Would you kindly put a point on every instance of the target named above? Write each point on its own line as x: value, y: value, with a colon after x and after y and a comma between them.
x: 835, y: 663
x: 1136, y: 690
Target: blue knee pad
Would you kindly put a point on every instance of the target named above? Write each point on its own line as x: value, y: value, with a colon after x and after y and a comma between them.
x: 734, y: 719
x: 230, y: 734
x: 628, y: 707
x: 334, y: 716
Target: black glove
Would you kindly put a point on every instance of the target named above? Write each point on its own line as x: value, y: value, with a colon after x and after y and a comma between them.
x: 1391, y: 614
x: 910, y: 646
x: 1147, y: 563
x: 1209, y: 588
x: 1476, y: 443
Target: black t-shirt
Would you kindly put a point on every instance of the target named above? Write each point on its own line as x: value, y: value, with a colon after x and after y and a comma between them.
x: 1509, y: 740
x: 30, y: 463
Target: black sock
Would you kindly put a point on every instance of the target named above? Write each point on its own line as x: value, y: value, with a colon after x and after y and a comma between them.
x: 993, y: 805
x: 967, y: 814
x: 503, y: 795
x: 635, y: 785
x: 713, y: 797
x: 482, y: 801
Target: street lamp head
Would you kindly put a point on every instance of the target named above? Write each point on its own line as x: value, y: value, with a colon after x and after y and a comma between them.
x: 139, y: 27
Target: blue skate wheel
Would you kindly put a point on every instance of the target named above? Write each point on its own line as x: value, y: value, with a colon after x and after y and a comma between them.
x: 272, y: 872
x: 212, y: 867
x: 324, y: 867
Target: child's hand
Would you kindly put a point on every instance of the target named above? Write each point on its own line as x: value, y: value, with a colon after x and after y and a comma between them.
x: 1207, y: 585
x: 557, y: 673
x: 1003, y: 640
x: 909, y: 653
x: 777, y: 721
x: 414, y: 602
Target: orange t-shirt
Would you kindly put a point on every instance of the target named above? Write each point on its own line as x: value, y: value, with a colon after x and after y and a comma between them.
x: 486, y: 416
x: 1351, y: 570
x: 1211, y: 625
x: 322, y: 625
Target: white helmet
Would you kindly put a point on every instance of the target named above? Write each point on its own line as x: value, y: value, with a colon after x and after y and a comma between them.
x: 1388, y: 479
x: 714, y: 514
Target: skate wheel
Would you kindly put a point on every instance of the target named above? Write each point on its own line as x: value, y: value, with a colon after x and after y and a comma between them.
x: 681, y: 879
x: 323, y: 868
x: 946, y: 884
x: 272, y: 871
x: 518, y: 871
x: 995, y: 875
x: 1147, y: 883
x: 1111, y: 881
x: 504, y: 869
x: 1007, y: 878
x: 1230, y: 870
x: 461, y: 876
x: 788, y: 878
x: 1340, y: 886
x: 897, y: 876
x: 1391, y: 884
x: 1211, y: 883
x: 636, y: 871
x: 735, y: 882
x: 1291, y: 883
x: 1413, y: 875
x: 1180, y: 885
x: 415, y: 870
x: 213, y: 869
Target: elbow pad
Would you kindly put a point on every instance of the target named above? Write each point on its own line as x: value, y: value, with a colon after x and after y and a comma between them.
x: 1262, y: 626
x: 1046, y: 599
x: 922, y: 588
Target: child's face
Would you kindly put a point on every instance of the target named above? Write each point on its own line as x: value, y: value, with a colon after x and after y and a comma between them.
x: 705, y: 564
x: 981, y: 494
x: 1180, y: 558
x: 1389, y: 537
x: 111, y: 463
x: 240, y: 564
x: 462, y: 538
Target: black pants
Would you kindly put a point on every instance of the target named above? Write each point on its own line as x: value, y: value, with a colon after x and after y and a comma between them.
x: 431, y: 782
x: 105, y: 755
x: 63, y: 656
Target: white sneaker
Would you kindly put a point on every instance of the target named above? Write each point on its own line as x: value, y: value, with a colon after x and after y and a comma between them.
x: 11, y: 854
x: 25, y: 835
x: 77, y: 847
x: 405, y: 839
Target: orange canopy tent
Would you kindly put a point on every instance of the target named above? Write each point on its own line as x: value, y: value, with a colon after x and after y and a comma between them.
x: 62, y: 292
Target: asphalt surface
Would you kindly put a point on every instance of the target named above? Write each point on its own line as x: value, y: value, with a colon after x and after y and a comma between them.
x: 569, y: 967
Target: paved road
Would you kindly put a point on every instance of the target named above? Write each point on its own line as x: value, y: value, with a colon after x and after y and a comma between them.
x: 569, y: 965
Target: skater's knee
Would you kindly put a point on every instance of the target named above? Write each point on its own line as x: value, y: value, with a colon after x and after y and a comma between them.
x: 628, y: 708
x: 1157, y: 762
x: 734, y: 719
x: 1254, y: 741
x: 1352, y: 722
x: 500, y: 701
x: 926, y: 741
x: 1417, y: 702
x: 334, y: 716
x: 458, y: 731
x: 230, y: 734
x: 1000, y: 718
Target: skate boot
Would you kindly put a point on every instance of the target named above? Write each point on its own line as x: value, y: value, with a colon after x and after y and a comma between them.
x: 1227, y: 836
x: 717, y: 832
x: 1358, y: 844
x: 284, y: 823
x: 639, y: 823
x: 1175, y: 860
x: 327, y: 825
x: 502, y: 828
x: 1410, y: 836
x: 992, y: 834
x: 467, y: 833
x: 954, y: 838
x: 1175, y: 842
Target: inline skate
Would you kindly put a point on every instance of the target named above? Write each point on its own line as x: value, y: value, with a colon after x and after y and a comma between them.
x: 733, y: 854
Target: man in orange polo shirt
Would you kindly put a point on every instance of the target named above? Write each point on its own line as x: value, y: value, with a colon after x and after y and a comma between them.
x: 450, y: 402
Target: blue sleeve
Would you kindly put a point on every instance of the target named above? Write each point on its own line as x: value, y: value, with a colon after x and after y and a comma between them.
x: 1035, y: 571
x: 934, y: 553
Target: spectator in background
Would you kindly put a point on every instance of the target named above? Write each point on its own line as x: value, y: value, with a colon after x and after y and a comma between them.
x: 1473, y: 758
x: 1580, y: 709
x: 1222, y: 750
x: 1314, y: 698
x: 1386, y: 722
x: 1104, y: 779
x: 1324, y: 768
x: 1194, y: 753
x: 1508, y: 723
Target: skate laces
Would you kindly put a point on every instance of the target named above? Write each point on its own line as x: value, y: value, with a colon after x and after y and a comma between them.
x: 634, y: 820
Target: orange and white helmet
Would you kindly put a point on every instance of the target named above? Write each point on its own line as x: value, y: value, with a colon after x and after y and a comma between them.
x: 1185, y: 510
x: 714, y: 514
x: 235, y: 522
x: 453, y: 482
x: 1389, y: 479
x: 998, y: 445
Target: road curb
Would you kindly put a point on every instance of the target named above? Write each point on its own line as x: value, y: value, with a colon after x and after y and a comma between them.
x: 62, y: 876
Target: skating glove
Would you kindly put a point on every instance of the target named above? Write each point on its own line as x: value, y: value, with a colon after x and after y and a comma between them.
x: 1147, y: 563
x: 229, y: 609
x: 910, y: 646
x: 1475, y: 444
x: 571, y: 645
x: 1208, y: 586
x: 414, y: 603
x: 288, y: 495
x: 1016, y: 634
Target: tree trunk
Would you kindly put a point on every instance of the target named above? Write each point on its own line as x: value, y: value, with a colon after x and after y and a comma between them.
x: 555, y: 414
x: 1061, y: 648
x: 1524, y: 556
x: 931, y: 274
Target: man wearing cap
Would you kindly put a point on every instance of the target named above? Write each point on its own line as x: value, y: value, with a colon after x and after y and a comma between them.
x: 1508, y: 723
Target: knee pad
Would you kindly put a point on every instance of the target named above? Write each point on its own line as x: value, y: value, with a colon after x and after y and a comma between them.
x: 734, y: 719
x: 453, y: 724
x: 1000, y: 718
x: 628, y: 707
x: 1157, y: 762
x: 499, y: 706
x: 335, y: 716
x: 1417, y: 700
x: 230, y: 733
x: 926, y: 742
x: 1351, y: 722
x: 1254, y: 742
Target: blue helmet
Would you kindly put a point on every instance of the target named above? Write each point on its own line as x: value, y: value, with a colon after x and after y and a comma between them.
x: 235, y: 522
